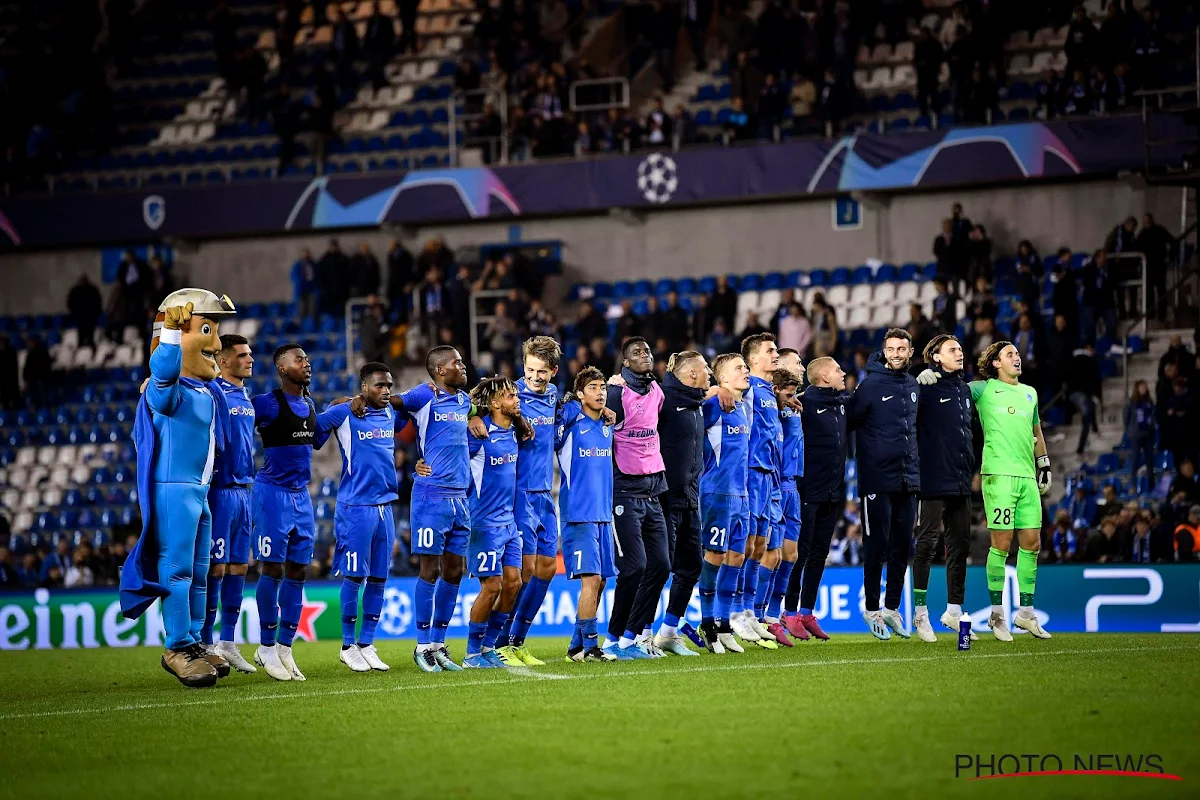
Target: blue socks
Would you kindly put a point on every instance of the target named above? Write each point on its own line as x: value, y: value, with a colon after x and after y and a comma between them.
x: 670, y: 619
x: 475, y: 633
x: 445, y: 596
x: 531, y: 601
x: 747, y: 585
x: 232, y: 589
x: 779, y: 588
x: 506, y: 631
x: 591, y: 633
x: 266, y: 594
x: 349, y: 602
x: 495, y: 623
x: 766, y: 580
x: 727, y: 578
x: 708, y: 589
x: 213, y: 602
x: 576, y: 635
x: 291, y: 603
x: 423, y: 609
x: 372, y: 608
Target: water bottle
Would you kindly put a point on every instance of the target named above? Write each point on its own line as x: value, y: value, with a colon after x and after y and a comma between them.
x: 964, y: 633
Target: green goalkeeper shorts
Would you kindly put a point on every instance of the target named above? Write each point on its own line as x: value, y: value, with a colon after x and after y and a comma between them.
x: 1012, y: 503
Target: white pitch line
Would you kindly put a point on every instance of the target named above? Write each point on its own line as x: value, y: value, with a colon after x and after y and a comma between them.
x: 211, y: 701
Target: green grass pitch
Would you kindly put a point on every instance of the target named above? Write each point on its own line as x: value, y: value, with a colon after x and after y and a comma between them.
x: 848, y: 718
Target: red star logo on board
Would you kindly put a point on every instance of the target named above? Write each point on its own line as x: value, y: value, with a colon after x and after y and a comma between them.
x: 308, y: 616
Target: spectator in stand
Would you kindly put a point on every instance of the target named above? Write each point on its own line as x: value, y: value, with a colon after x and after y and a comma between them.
x: 982, y: 301
x: 944, y: 252
x: 555, y: 19
x: 981, y: 337
x: 1049, y: 93
x: 737, y: 124
x: 720, y: 340
x: 1101, y: 547
x: 928, y: 56
x: 590, y: 324
x: 1178, y: 355
x: 37, y: 372
x: 746, y: 81
x: 1029, y: 275
x: 85, y: 306
x: 919, y: 327
x: 674, y: 325
x: 1140, y: 429
x: 400, y: 266
x: 1159, y: 247
x: 10, y: 382
x: 1027, y: 338
x: 10, y: 578
x: 979, y: 254
x: 1187, y: 536
x: 1060, y: 345
x: 1123, y: 238
x: 344, y: 48
x: 702, y: 320
x: 331, y: 280
x: 374, y: 331
x: 980, y: 98
x: 1083, y: 387
x: 724, y: 302
x: 697, y: 15
x: 832, y: 103
x: 1063, y: 543
x: 1082, y: 39
x: 1179, y: 427
x: 1141, y: 542
x: 304, y: 285
x: 1099, y: 299
x: 379, y: 41
x: 1077, y: 98
x: 771, y: 103
x: 55, y: 565
x: 682, y: 128
x: 1064, y: 294
x: 365, y: 276
x: 753, y: 327
x: 795, y: 331
x: 433, y: 295
x: 79, y: 573
x: 1185, y: 482
x: 1115, y: 36
x: 825, y: 327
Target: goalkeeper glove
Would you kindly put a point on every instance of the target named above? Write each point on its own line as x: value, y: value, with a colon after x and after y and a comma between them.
x: 1044, y: 478
x: 927, y: 378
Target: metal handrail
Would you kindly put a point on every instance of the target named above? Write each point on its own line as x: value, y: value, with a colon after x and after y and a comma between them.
x: 621, y: 83
x: 475, y: 317
x: 1184, y: 278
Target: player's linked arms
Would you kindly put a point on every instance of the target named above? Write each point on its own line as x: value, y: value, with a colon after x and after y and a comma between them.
x: 424, y: 469
x: 724, y: 397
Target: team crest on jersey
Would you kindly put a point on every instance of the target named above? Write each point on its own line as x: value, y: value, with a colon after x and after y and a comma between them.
x: 619, y: 510
x: 870, y: 497
x: 913, y: 396
x: 607, y: 431
x: 1029, y: 397
x: 842, y: 409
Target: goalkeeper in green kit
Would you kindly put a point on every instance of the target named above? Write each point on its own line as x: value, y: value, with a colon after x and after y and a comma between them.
x: 1016, y: 473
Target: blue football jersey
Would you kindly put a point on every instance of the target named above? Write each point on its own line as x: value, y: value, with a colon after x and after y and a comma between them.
x: 764, y: 425
x: 585, y: 450
x: 726, y: 449
x: 791, y: 445
x: 441, y: 420
x: 368, y: 454
x: 535, y: 469
x: 288, y: 466
x: 493, y: 477
x: 235, y: 464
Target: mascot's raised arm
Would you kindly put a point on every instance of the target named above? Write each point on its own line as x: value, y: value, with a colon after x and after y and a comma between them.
x: 178, y: 433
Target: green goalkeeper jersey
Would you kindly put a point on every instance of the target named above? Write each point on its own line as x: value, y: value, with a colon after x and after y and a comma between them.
x: 1007, y: 414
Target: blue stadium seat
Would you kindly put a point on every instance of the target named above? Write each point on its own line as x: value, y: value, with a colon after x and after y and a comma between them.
x: 862, y: 274
x: 794, y: 279
x: 818, y: 277
x: 900, y: 124
x: 1079, y: 259
x: 707, y: 284
x: 706, y: 93
x: 886, y: 273
x: 641, y: 308
x: 704, y: 118
x: 622, y: 290
x: 734, y: 281
x: 1108, y: 462
x: 929, y: 271
x: 686, y: 286
x: 773, y: 280
x: 839, y: 276
x: 750, y: 283
x: 664, y: 286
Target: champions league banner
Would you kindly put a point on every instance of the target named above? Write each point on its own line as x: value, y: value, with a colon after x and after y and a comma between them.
x: 1070, y: 599
x: 867, y: 162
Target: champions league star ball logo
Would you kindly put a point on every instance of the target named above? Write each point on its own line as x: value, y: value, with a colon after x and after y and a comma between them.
x: 397, y: 612
x: 656, y: 178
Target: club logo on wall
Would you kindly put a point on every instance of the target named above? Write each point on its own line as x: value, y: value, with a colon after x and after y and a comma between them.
x: 657, y: 178
x: 154, y: 211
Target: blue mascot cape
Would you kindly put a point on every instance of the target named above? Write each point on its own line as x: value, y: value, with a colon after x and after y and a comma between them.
x: 140, y: 585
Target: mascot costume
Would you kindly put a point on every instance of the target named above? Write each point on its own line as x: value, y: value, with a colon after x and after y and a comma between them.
x: 178, y: 431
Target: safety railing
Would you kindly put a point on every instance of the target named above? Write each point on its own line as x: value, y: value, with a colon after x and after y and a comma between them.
x: 598, y: 94
x: 469, y: 108
x: 476, y: 319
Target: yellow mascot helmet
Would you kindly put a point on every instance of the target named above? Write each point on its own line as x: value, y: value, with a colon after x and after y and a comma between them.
x: 201, y: 336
